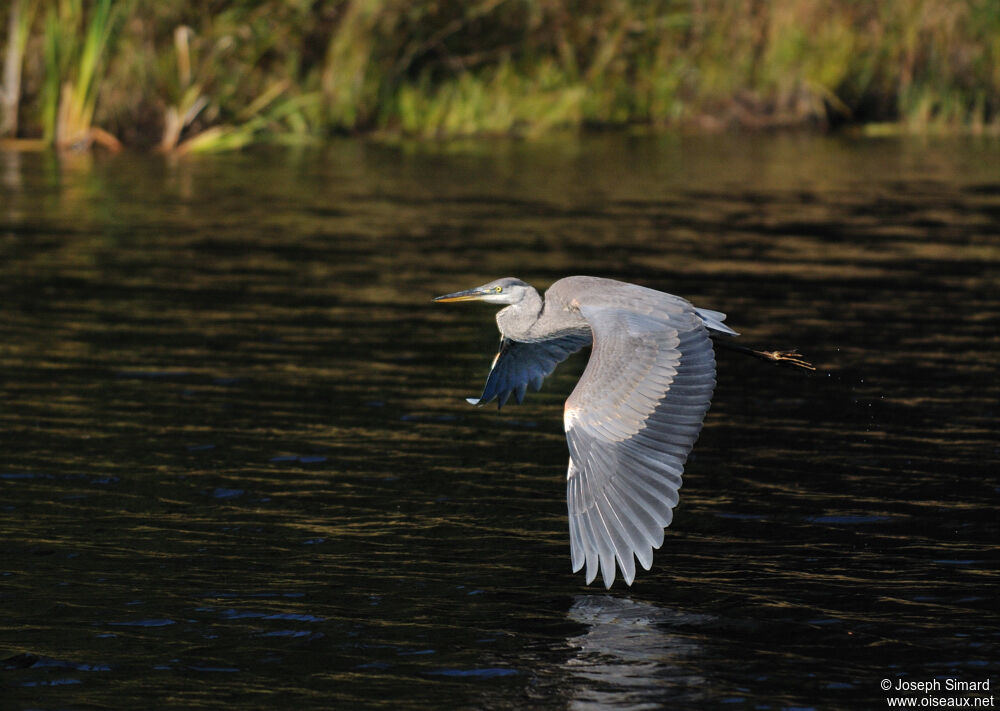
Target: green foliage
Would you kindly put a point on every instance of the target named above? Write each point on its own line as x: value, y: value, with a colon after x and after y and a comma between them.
x: 187, y: 76
x: 500, y: 100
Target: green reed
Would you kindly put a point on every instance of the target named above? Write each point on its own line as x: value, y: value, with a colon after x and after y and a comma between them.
x: 75, y: 42
x: 19, y: 21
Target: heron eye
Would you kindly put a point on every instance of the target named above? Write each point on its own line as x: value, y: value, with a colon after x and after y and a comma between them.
x: 498, y: 289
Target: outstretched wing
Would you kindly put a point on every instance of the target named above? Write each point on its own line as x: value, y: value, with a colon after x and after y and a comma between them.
x: 519, y: 364
x: 630, y: 424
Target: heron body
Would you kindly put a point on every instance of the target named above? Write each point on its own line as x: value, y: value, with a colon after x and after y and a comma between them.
x: 634, y: 415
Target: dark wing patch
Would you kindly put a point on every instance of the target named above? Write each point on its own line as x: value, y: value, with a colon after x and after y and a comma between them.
x: 519, y: 364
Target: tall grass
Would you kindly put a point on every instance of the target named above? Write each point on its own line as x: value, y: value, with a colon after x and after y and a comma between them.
x: 182, y: 76
x: 75, y: 42
x: 19, y: 21
x: 276, y: 113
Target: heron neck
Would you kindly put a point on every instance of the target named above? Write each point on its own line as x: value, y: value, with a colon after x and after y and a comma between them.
x: 516, y: 320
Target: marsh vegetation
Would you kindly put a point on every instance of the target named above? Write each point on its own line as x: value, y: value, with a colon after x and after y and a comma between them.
x: 177, y: 75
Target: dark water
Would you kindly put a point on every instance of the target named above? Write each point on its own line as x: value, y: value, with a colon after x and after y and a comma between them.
x: 236, y: 466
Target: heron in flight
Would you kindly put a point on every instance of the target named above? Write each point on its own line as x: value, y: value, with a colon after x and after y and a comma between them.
x: 634, y: 415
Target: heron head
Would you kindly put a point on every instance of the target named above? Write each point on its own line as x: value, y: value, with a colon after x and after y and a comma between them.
x: 502, y: 291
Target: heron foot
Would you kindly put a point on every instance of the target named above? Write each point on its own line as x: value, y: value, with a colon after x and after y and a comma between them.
x: 792, y: 357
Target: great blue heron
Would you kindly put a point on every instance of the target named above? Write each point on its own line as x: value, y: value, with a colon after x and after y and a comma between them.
x: 635, y: 413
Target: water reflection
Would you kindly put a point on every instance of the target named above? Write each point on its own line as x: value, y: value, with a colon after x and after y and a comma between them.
x: 629, y: 659
x: 10, y: 174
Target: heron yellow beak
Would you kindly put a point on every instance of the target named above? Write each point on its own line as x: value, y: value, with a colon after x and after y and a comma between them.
x: 468, y: 295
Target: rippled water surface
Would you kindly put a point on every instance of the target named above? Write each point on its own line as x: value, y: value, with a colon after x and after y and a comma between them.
x: 236, y: 467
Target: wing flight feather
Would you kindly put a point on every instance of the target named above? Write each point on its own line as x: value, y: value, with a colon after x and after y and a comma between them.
x: 520, y: 364
x: 630, y: 424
